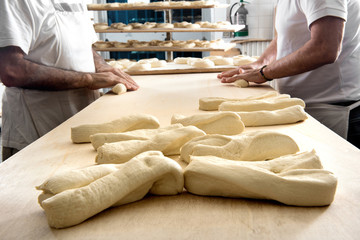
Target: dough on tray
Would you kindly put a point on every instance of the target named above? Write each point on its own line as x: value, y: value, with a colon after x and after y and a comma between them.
x: 212, y: 103
x: 261, y: 104
x: 293, y: 179
x: 139, y: 67
x: 227, y: 123
x: 99, y: 139
x: 168, y: 142
x: 107, y: 186
x: 81, y: 133
x: 202, y: 63
x: 248, y: 146
x: 287, y: 115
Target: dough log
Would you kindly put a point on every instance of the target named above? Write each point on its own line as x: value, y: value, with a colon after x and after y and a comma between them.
x: 168, y: 142
x: 81, y: 133
x: 248, y: 146
x: 99, y: 139
x: 119, y: 89
x: 293, y: 179
x: 147, y: 173
x: 212, y: 103
x: 259, y: 105
x: 227, y: 123
x: 287, y: 115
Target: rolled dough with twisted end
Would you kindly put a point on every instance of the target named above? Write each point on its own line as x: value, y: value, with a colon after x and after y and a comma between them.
x: 248, y: 146
x: 259, y: 105
x: 82, y: 133
x: 99, y: 139
x: 168, y: 142
x: 241, y: 83
x: 148, y: 172
x: 119, y: 89
x: 287, y: 115
x: 212, y: 103
x: 293, y: 180
x: 227, y: 123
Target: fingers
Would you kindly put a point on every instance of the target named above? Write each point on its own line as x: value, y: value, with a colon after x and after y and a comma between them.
x: 127, y: 80
x: 228, y: 73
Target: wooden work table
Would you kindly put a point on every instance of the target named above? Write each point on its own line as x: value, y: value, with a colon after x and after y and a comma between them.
x: 184, y: 216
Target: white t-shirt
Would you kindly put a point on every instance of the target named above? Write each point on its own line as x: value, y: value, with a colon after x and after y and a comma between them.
x: 56, y: 33
x: 337, y: 82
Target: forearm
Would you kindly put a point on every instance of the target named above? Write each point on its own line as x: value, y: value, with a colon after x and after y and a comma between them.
x: 99, y: 61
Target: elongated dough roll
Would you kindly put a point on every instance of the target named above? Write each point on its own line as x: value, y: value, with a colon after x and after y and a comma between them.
x: 99, y: 139
x: 212, y: 103
x: 119, y: 89
x: 146, y: 173
x: 81, y: 133
x: 287, y: 115
x: 227, y: 123
x: 293, y: 180
x: 168, y: 142
x: 259, y: 105
x: 248, y: 146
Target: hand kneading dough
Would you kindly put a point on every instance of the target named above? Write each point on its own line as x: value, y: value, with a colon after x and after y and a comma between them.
x: 293, y: 179
x: 227, y: 123
x: 212, y: 103
x: 119, y: 89
x: 82, y: 133
x: 287, y: 115
x: 99, y: 139
x: 248, y: 146
x: 259, y: 105
x: 168, y: 142
x: 149, y: 172
x: 241, y: 83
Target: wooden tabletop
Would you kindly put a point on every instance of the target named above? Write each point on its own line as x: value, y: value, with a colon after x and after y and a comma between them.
x: 184, y: 216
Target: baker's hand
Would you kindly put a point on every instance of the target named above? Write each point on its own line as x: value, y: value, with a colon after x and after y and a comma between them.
x: 108, y: 80
x: 249, y: 73
x: 124, y: 78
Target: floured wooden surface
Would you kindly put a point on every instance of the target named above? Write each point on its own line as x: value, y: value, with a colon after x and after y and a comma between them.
x: 185, y: 216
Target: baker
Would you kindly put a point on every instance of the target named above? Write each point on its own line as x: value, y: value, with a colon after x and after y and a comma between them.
x: 315, y: 56
x: 48, y: 67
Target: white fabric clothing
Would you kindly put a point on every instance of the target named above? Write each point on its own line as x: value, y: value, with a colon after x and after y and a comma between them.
x: 56, y: 33
x: 332, y: 83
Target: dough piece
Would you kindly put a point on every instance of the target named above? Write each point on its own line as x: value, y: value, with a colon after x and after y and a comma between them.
x: 287, y: 115
x: 181, y: 60
x: 103, y: 44
x: 259, y: 105
x: 192, y: 26
x: 248, y: 146
x: 165, y: 44
x: 168, y: 142
x: 99, y: 139
x: 148, y: 25
x: 212, y: 103
x: 223, y: 61
x: 139, y: 67
x: 241, y: 83
x: 164, y: 25
x: 293, y: 180
x: 202, y: 63
x: 149, y: 172
x: 119, y: 89
x: 81, y: 133
x: 121, y: 45
x: 227, y: 123
x: 243, y: 60
x: 159, y: 63
x: 101, y: 26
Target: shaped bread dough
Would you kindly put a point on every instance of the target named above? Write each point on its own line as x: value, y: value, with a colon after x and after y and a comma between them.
x: 202, y: 63
x: 243, y: 60
x: 99, y: 139
x: 149, y: 172
x: 287, y: 115
x: 223, y: 61
x: 139, y: 67
x: 212, y: 103
x: 227, y: 123
x: 293, y: 180
x: 81, y: 133
x: 119, y: 89
x: 259, y: 105
x: 168, y: 142
x: 248, y: 146
x: 241, y: 83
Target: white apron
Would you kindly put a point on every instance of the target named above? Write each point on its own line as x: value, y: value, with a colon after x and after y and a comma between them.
x: 29, y: 114
x: 334, y: 117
